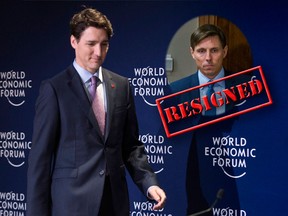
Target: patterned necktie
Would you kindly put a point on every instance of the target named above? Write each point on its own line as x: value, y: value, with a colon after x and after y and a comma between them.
x: 98, y: 102
x: 210, y: 91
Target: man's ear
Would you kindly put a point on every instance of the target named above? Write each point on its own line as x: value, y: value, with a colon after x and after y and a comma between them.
x: 73, y: 41
x: 225, y: 50
x: 192, y: 52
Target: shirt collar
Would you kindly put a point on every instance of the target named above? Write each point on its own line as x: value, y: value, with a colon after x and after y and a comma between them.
x: 86, y: 75
x: 203, y: 79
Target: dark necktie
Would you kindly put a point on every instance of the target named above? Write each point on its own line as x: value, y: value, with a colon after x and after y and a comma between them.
x: 98, y: 102
x: 210, y: 91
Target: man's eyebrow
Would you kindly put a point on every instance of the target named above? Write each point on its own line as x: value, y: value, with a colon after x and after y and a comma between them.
x: 207, y: 48
x: 95, y: 41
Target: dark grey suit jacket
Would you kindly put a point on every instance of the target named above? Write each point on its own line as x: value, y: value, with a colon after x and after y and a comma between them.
x: 69, y: 158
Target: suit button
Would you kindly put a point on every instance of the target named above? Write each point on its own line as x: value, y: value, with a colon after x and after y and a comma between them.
x: 102, y: 172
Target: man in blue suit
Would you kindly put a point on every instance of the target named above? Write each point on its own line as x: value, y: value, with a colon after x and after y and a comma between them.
x: 75, y: 169
x: 208, y: 48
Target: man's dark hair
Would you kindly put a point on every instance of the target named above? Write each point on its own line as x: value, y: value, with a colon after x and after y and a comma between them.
x: 89, y: 17
x: 205, y: 31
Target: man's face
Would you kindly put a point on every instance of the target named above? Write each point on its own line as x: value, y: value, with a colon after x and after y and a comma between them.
x: 91, y: 49
x: 209, y: 55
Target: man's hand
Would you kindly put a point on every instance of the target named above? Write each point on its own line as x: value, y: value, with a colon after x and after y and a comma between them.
x: 157, y: 194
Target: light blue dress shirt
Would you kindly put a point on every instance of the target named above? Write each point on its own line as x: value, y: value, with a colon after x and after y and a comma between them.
x: 85, y: 77
x: 218, y: 87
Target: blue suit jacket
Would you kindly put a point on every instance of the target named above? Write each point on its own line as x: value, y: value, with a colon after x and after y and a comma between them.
x: 69, y: 158
x: 196, y: 201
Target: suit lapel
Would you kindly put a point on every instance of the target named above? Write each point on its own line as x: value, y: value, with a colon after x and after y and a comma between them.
x: 74, y: 82
x: 229, y: 83
x: 110, y: 88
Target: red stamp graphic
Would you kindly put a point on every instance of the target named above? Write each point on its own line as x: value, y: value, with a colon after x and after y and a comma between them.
x: 180, y: 116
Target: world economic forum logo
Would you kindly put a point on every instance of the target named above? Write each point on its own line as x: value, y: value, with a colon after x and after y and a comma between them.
x: 231, y: 154
x: 149, y: 83
x: 13, y: 86
x: 156, y: 149
x: 13, y: 147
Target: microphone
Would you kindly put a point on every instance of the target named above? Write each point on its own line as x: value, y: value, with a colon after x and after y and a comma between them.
x: 219, y: 196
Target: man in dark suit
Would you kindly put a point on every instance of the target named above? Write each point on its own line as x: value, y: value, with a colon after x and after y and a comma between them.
x: 75, y: 168
x: 208, y: 48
